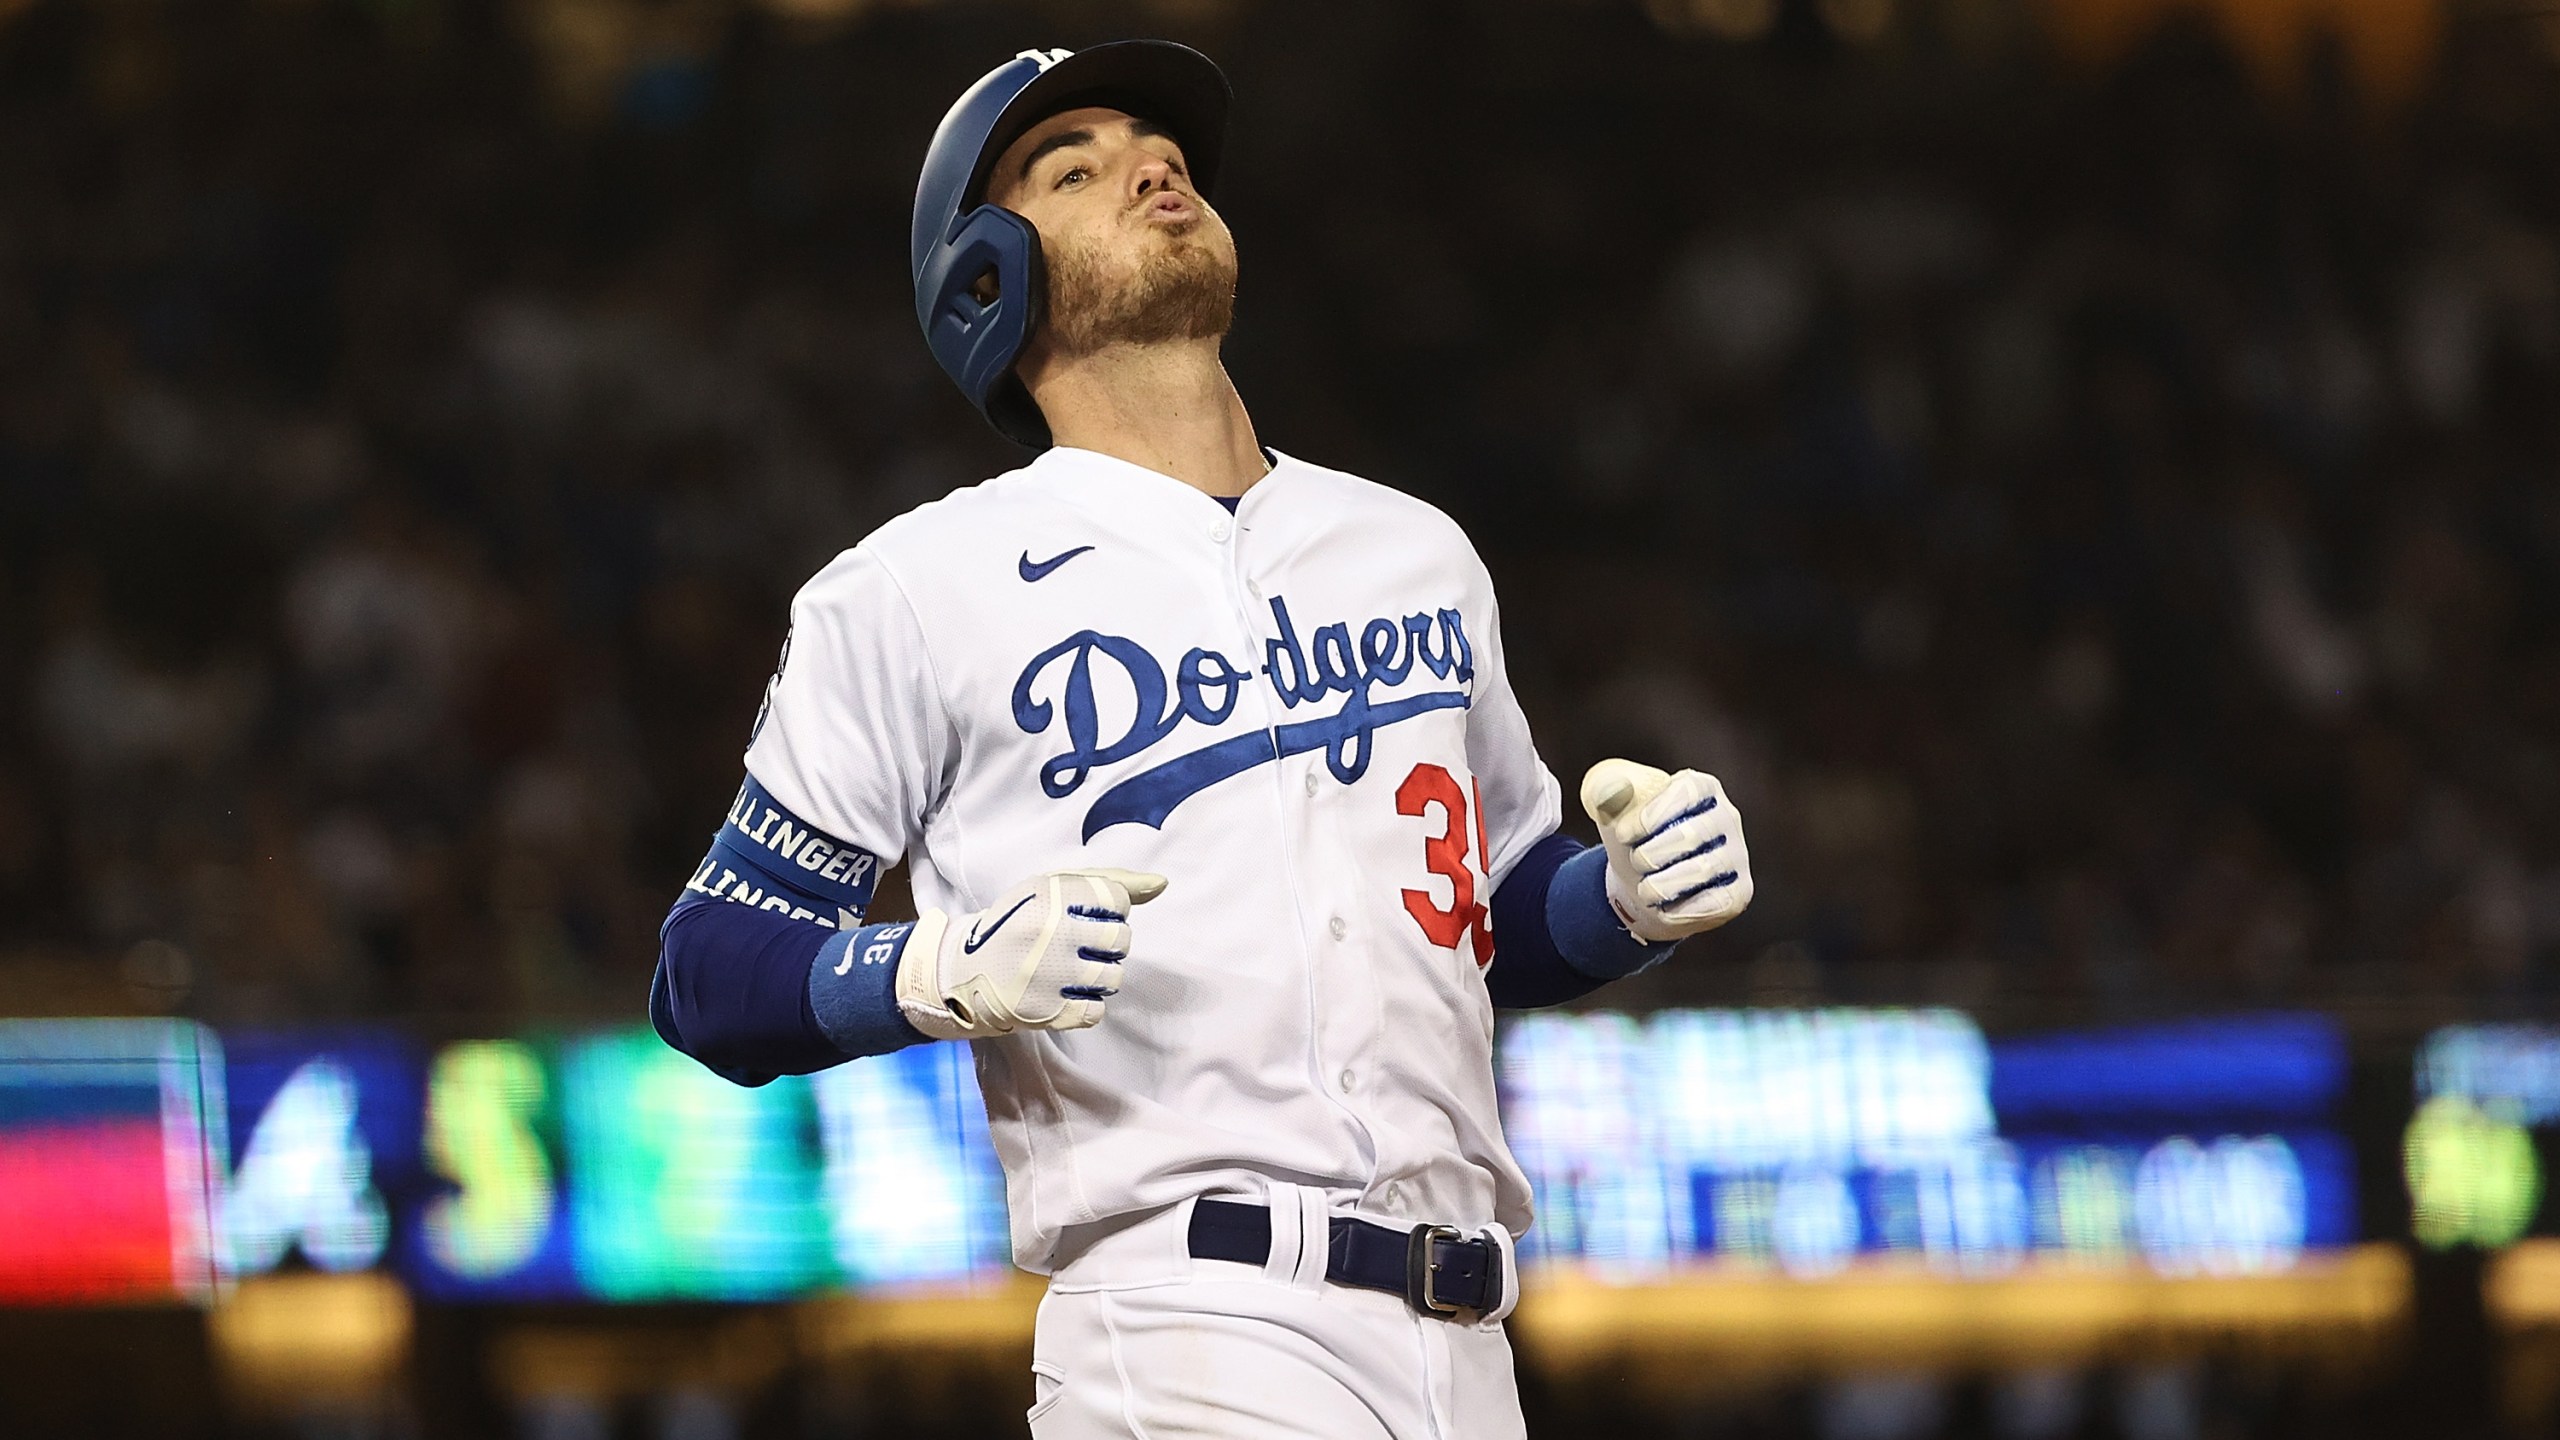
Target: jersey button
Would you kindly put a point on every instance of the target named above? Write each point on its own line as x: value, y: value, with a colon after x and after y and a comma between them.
x: 1218, y: 529
x: 1338, y: 927
x: 1311, y: 782
x: 1349, y: 1081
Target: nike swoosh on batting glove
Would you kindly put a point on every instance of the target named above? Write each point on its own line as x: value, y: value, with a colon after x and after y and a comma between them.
x: 1677, y: 862
x: 1045, y: 956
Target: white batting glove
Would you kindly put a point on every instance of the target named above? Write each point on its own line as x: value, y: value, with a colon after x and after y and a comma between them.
x: 1045, y: 956
x: 1677, y: 863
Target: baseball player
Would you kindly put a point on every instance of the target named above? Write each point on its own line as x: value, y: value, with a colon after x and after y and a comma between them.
x: 1226, y: 833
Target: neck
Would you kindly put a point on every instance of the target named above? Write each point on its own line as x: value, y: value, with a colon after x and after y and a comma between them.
x: 1170, y: 408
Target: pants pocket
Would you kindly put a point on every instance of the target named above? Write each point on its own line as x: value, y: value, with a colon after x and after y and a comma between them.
x: 1048, y: 1387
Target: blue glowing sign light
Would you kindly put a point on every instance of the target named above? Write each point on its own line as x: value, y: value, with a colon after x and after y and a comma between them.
x: 2264, y: 1067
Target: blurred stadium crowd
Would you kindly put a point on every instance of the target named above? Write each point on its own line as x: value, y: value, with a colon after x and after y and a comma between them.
x: 2101, y: 522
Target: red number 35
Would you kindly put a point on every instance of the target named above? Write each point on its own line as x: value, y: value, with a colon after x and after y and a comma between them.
x: 1445, y: 855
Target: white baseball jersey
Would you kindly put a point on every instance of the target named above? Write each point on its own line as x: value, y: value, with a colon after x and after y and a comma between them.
x: 1298, y: 713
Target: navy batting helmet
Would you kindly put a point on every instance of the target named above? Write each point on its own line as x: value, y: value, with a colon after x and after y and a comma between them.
x: 979, y: 280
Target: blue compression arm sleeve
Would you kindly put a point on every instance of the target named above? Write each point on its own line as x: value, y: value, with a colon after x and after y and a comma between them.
x: 753, y: 995
x: 1554, y: 936
x: 761, y: 971
x: 732, y: 991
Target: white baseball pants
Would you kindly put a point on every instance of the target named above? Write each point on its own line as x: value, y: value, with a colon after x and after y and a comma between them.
x: 1136, y: 1340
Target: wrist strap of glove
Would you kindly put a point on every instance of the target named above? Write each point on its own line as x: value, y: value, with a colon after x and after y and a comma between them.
x: 920, y: 997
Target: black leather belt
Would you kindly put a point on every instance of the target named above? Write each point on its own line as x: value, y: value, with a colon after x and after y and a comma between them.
x: 1437, y: 1270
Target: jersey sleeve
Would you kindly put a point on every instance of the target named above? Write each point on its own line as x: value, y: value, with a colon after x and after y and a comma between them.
x: 1518, y: 799
x: 854, y: 736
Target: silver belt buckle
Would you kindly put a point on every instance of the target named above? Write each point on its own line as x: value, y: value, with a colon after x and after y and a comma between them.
x: 1421, y: 1272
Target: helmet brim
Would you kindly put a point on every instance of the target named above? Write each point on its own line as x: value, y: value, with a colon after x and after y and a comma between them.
x: 1173, y: 85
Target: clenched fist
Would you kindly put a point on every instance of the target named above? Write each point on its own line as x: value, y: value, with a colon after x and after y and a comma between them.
x: 1677, y: 863
x: 1045, y: 956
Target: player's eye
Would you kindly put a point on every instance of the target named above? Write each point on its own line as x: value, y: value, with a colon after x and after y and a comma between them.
x: 1075, y: 175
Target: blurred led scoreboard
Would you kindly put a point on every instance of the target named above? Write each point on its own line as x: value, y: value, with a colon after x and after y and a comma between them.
x: 152, y: 1161
x: 155, y: 1160
x: 1810, y: 1140
x: 607, y: 1166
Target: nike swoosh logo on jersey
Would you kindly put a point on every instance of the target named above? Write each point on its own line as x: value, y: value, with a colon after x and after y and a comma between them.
x: 970, y: 943
x: 1039, y: 570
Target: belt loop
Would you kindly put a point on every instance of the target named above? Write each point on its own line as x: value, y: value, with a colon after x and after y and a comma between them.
x: 1280, y: 1267
x: 1506, y: 1261
x: 1315, y: 1246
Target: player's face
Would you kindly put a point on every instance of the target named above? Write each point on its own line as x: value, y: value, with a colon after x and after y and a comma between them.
x: 1135, y: 256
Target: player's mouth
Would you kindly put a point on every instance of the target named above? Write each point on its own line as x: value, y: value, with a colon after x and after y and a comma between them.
x: 1170, y: 207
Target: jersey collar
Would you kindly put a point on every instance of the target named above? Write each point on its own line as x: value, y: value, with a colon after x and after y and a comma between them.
x: 1107, y: 479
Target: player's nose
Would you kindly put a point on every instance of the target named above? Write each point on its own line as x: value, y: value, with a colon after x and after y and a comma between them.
x: 1150, y: 174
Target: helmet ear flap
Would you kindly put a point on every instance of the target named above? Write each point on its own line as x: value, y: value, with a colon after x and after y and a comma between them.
x: 985, y: 290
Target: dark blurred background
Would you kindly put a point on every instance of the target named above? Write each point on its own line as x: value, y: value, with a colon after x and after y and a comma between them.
x: 2096, y: 510
x: 2082, y: 471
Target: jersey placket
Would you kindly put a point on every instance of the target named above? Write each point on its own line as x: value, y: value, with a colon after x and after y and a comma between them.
x: 1342, y: 1002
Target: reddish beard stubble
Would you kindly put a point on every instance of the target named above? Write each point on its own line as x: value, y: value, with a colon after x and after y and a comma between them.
x: 1183, y: 290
